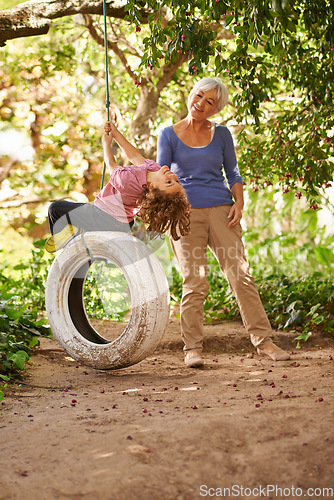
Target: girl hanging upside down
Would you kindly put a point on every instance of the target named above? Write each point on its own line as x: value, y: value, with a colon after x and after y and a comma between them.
x: 143, y: 188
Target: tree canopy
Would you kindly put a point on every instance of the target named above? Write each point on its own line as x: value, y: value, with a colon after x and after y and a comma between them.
x: 281, y: 66
x: 276, y: 58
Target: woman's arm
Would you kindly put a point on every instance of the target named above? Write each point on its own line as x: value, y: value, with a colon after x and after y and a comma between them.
x: 233, y: 177
x: 230, y: 160
x: 132, y: 153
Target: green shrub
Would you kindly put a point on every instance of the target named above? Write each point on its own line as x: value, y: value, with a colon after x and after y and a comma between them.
x: 22, y: 318
x: 20, y: 328
x: 304, y: 303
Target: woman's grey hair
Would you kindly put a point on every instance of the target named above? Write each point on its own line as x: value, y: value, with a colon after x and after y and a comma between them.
x: 212, y: 84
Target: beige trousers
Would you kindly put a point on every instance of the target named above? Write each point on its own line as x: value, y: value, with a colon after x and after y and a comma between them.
x: 209, y: 228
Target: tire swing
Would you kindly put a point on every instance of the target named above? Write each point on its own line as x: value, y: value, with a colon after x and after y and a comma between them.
x: 146, y: 282
x: 148, y: 290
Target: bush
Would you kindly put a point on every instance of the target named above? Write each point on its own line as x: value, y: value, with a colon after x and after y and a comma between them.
x: 303, y: 303
x: 19, y: 332
x: 21, y: 315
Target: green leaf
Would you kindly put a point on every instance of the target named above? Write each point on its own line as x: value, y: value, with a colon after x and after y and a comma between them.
x: 291, y: 307
x: 33, y: 342
x: 14, y: 314
x: 303, y: 336
x: 40, y: 244
x: 21, y: 266
x: 295, y: 318
x: 324, y: 255
x: 18, y: 359
x: 313, y: 309
x: 228, y: 20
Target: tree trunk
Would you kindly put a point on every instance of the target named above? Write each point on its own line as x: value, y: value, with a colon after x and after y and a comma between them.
x: 143, y: 121
x: 146, y: 111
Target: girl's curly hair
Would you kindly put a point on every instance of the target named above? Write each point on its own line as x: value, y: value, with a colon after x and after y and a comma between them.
x: 163, y: 211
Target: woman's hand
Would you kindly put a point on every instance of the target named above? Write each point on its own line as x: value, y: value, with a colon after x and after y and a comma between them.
x: 235, y: 214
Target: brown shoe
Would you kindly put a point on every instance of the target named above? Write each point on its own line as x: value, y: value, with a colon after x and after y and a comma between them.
x: 274, y: 352
x: 193, y: 359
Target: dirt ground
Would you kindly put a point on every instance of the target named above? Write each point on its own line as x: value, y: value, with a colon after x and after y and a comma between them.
x: 240, y: 427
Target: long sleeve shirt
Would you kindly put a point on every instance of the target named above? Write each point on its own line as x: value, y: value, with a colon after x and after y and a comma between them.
x: 204, y: 172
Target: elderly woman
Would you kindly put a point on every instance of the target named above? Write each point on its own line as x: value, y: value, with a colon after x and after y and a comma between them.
x: 201, y: 153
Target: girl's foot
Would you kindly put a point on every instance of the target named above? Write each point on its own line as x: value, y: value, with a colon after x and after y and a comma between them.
x: 59, y: 240
x: 274, y: 352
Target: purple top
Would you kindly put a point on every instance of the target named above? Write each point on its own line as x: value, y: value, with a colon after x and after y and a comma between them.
x: 201, y: 170
x: 119, y: 197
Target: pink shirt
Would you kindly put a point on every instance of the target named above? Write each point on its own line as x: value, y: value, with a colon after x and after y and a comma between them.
x: 119, y: 197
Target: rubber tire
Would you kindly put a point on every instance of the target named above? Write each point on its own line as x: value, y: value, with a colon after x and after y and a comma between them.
x: 149, y: 294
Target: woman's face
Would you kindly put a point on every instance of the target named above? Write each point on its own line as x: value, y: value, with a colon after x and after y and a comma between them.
x: 203, y: 104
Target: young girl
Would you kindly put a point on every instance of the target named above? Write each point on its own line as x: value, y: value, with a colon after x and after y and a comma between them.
x: 143, y: 188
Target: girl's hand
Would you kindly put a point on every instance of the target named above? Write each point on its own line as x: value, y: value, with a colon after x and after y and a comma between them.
x: 109, y: 128
x: 235, y: 214
x: 107, y: 140
x: 108, y: 133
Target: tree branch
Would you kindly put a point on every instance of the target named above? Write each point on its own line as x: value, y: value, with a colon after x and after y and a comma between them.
x: 34, y: 17
x: 169, y: 70
x: 111, y: 45
x: 27, y: 201
x: 5, y: 169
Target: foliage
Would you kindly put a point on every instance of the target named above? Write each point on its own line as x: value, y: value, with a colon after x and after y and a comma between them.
x: 21, y: 315
x: 283, y: 236
x: 49, y: 98
x: 19, y: 331
x: 280, y: 64
x: 276, y: 59
x: 106, y: 293
x: 28, y: 285
x: 303, y: 302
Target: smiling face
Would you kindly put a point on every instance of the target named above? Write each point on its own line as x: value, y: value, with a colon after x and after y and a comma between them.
x: 165, y: 180
x: 202, y: 104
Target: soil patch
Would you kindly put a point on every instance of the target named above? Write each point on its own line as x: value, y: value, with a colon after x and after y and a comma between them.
x: 159, y: 430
